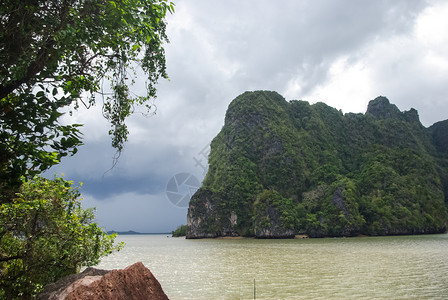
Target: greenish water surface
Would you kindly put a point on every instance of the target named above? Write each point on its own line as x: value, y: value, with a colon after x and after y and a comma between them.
x: 397, y: 267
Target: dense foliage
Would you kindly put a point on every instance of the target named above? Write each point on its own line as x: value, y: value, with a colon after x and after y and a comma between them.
x: 290, y: 166
x: 180, y: 231
x: 56, y: 54
x: 45, y: 234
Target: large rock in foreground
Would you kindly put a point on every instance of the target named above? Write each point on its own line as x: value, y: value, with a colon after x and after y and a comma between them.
x: 133, y: 282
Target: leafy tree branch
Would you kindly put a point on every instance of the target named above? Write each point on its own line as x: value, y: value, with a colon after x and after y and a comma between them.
x: 55, y: 54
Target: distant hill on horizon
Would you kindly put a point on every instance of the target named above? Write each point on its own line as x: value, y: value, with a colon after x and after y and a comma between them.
x: 129, y: 232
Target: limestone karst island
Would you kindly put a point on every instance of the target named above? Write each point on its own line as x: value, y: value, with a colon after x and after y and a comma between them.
x: 279, y: 169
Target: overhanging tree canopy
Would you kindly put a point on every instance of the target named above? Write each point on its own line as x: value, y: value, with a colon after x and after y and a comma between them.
x: 55, y: 53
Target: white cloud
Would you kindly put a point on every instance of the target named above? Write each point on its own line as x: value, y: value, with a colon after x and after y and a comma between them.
x: 432, y: 25
x: 348, y: 87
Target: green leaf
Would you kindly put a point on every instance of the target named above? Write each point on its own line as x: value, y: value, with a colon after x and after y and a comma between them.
x: 135, y: 47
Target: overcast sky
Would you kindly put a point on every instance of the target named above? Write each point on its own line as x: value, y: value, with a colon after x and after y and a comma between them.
x: 343, y: 53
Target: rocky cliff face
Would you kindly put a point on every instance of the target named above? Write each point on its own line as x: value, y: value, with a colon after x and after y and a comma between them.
x: 439, y: 135
x: 134, y: 282
x: 381, y: 108
x: 281, y: 168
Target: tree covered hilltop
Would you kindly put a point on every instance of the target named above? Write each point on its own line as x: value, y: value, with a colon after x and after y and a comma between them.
x: 280, y: 168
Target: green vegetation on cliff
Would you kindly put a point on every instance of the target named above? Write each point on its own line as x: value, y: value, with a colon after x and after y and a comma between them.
x: 281, y: 168
x: 180, y: 231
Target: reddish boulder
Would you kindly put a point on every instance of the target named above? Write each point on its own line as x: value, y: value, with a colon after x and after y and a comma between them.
x: 133, y: 282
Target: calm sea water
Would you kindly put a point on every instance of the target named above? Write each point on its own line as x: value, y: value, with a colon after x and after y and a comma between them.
x: 400, y: 267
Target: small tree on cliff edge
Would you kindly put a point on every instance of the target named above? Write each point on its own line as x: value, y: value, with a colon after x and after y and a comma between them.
x: 56, y: 53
